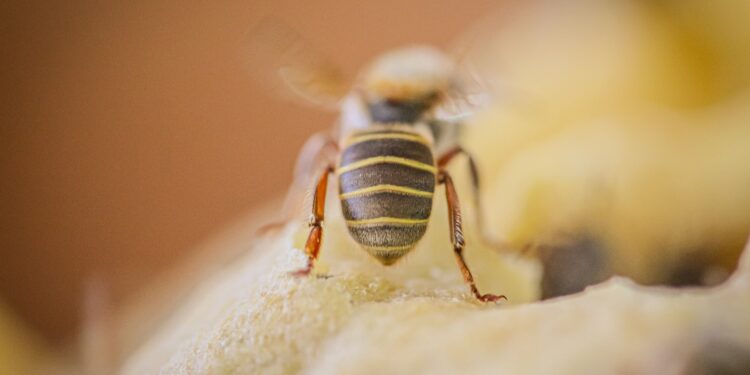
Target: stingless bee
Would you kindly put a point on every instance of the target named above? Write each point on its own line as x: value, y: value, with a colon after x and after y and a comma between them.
x: 388, y: 151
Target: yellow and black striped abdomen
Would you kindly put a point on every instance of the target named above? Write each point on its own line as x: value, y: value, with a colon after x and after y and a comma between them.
x: 386, y: 184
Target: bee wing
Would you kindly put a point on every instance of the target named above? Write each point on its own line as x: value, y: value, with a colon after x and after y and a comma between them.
x: 469, y: 91
x: 466, y: 96
x: 283, y: 61
x: 478, y: 79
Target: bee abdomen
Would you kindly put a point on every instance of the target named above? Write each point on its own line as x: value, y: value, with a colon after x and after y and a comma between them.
x: 386, y: 184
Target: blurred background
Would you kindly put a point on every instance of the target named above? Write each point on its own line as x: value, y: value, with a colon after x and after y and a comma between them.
x: 133, y: 133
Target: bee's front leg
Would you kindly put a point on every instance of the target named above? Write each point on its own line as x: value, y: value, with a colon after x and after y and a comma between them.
x: 317, y: 151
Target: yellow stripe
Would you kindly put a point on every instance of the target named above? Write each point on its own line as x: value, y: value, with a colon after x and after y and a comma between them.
x: 386, y: 159
x: 387, y: 188
x: 370, y: 137
x: 386, y: 220
x: 390, y: 248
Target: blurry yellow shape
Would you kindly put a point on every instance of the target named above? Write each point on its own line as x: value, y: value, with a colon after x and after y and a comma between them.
x: 623, y: 121
x: 18, y: 351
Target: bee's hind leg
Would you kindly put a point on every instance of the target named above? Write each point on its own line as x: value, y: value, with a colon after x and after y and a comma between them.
x: 457, y: 237
x: 446, y: 158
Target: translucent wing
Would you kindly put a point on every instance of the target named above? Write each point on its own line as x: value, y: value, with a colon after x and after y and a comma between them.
x: 469, y: 90
x: 478, y: 79
x: 466, y: 96
x: 283, y: 61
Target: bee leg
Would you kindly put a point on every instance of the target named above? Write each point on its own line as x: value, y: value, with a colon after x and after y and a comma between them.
x: 314, y: 239
x: 446, y: 158
x: 318, y: 149
x: 457, y: 236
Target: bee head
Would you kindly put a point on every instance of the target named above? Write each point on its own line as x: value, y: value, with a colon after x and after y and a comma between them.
x: 403, y: 84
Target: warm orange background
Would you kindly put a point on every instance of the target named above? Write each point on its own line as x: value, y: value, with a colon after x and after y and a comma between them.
x: 133, y: 130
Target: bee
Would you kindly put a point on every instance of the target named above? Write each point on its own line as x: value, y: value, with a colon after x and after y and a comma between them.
x: 388, y: 152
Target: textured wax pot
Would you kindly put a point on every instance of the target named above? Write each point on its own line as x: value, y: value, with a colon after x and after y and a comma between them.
x: 386, y: 185
x: 417, y: 318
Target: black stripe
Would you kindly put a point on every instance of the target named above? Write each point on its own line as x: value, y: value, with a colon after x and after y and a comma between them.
x: 388, y: 235
x: 384, y: 173
x: 397, y: 110
x: 391, y: 147
x: 386, y: 204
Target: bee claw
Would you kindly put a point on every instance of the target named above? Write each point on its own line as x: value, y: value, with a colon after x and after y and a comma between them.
x: 491, y: 298
x: 304, y: 272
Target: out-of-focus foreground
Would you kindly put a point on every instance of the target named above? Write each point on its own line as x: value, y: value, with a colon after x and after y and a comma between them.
x: 620, y: 140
